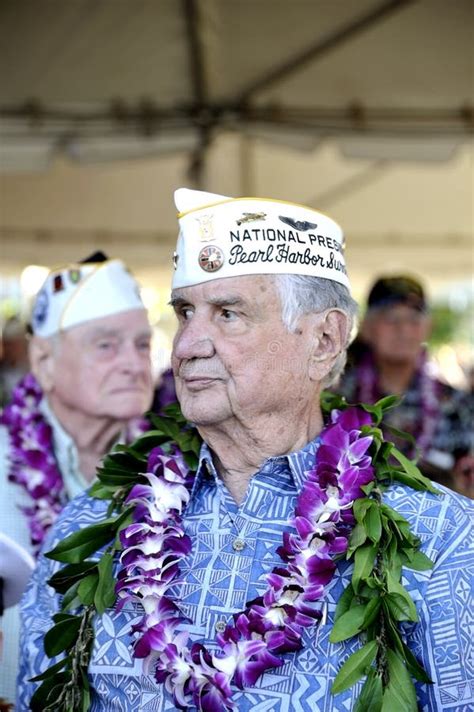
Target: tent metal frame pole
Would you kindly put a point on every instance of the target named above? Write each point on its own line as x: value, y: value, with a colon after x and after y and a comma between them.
x: 197, y: 71
x: 322, y: 47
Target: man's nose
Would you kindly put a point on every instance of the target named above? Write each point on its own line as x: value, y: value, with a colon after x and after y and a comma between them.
x: 134, y: 360
x: 193, y: 341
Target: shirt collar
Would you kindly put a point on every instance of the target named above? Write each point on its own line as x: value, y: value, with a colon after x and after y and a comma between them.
x: 65, y: 449
x: 298, y: 464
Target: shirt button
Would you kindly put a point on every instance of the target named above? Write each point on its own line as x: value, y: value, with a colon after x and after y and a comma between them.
x: 220, y: 626
x: 238, y: 544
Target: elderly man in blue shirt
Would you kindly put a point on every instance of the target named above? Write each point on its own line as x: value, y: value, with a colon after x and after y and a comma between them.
x: 276, y: 571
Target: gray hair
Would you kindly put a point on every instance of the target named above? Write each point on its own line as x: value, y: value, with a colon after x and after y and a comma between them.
x: 301, y: 294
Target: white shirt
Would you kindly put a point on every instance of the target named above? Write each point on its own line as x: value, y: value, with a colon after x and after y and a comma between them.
x: 14, y: 524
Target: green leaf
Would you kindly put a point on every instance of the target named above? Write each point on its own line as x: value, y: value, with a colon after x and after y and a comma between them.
x: 355, y: 667
x: 87, y: 589
x: 86, y: 700
x: 166, y: 425
x: 65, y: 577
x: 412, y: 470
x: 61, y: 636
x: 392, y: 628
x: 62, y: 616
x: 373, y: 523
x: 375, y: 410
x: 419, y: 562
x: 344, y: 602
x: 367, y: 489
x: 371, y: 612
x: 364, y: 559
x: 349, y: 624
x: 100, y: 491
x: 415, y: 669
x: 370, y: 698
x: 114, y: 479
x: 47, y: 694
x: 79, y: 545
x: 388, y: 402
x: 401, y: 434
x: 399, y: 607
x: 332, y: 401
x: 357, y: 538
x: 105, y: 592
x: 395, y: 587
x: 85, y: 692
x: 361, y: 506
x: 70, y: 599
x: 50, y: 671
x: 400, y: 692
x: 407, y: 480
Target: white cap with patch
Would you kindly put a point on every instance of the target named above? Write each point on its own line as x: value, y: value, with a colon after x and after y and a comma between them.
x: 228, y: 237
x: 83, y: 291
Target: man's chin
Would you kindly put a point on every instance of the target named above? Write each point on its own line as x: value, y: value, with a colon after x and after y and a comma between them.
x: 204, y: 412
x: 129, y: 407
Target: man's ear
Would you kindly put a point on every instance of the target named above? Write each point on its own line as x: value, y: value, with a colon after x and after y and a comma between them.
x: 331, y: 336
x: 41, y: 353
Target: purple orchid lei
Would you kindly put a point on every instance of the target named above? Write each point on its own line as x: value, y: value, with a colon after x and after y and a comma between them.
x: 272, y: 624
x: 33, y: 465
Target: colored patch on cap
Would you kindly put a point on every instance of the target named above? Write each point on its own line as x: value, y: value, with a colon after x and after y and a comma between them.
x: 206, y: 228
x: 211, y: 258
x: 58, y: 284
x: 40, y: 310
x: 74, y: 275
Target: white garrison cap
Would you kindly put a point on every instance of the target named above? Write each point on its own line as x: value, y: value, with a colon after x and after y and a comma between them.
x: 16, y: 565
x: 83, y: 291
x: 228, y: 237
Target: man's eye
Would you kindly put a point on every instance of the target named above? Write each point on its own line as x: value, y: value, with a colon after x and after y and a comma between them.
x: 229, y: 315
x: 144, y: 345
x: 186, y: 313
x: 104, y: 345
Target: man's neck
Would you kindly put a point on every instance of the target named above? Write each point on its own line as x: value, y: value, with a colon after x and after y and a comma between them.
x: 93, y: 436
x: 240, y: 448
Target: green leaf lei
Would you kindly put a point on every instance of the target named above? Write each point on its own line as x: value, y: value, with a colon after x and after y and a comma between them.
x: 372, y: 605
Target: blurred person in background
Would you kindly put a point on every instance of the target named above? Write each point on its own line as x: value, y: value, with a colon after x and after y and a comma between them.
x: 16, y: 565
x: 14, y: 357
x: 89, y: 385
x: 165, y: 392
x: 389, y: 356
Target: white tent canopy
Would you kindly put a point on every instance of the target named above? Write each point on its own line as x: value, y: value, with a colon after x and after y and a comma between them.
x: 360, y: 108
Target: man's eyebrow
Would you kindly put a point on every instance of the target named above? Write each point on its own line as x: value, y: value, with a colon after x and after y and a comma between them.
x: 103, y: 332
x: 178, y: 301
x: 226, y: 301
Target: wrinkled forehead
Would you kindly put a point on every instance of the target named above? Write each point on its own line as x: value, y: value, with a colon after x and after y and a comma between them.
x: 127, y: 323
x: 245, y: 288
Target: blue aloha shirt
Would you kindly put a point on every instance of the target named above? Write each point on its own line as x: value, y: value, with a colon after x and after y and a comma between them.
x: 233, y: 549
